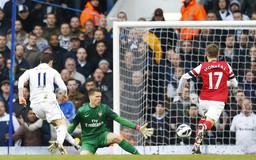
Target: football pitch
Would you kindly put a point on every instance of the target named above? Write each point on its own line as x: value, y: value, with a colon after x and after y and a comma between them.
x: 130, y: 157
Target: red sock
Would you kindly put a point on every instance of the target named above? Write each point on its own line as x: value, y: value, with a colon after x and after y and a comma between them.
x: 208, y: 125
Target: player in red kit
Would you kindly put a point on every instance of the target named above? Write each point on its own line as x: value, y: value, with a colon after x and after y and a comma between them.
x: 216, y: 76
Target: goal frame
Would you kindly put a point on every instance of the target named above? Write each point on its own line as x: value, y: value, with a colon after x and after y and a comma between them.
x: 151, y: 24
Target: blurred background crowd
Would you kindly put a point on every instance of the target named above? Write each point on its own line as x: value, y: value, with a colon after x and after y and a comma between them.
x: 82, y: 46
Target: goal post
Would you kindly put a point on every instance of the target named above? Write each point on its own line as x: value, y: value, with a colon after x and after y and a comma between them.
x: 138, y: 93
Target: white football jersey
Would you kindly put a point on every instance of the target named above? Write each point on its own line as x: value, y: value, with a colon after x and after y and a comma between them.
x: 41, y: 82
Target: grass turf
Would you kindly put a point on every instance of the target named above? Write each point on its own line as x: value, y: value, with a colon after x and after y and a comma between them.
x: 129, y: 157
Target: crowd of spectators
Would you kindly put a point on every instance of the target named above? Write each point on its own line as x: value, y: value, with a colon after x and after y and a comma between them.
x: 151, y: 63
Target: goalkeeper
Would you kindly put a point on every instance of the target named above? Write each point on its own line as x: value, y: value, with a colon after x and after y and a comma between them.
x: 93, y: 119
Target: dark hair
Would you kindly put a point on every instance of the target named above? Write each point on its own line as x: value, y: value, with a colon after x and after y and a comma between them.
x: 72, y: 79
x: 93, y: 90
x: 89, y: 80
x: 19, y: 44
x: 46, y: 58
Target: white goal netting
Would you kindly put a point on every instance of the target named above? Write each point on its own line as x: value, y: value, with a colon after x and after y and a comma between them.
x: 152, y: 57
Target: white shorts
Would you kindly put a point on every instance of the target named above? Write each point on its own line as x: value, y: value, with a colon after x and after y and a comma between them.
x: 212, y: 109
x: 47, y: 110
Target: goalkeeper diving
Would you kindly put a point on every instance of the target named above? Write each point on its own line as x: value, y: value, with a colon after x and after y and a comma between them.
x: 93, y: 119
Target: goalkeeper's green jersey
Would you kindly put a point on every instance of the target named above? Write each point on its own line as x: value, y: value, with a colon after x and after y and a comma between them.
x: 93, y: 120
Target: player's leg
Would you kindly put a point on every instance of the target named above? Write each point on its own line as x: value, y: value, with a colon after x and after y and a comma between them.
x: 114, y: 138
x: 213, y: 114
x: 61, y: 132
x: 200, y: 130
x: 214, y: 110
x: 89, y: 147
x: 85, y: 152
x: 55, y: 116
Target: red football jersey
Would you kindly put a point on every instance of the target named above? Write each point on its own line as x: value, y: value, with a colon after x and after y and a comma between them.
x: 215, y: 75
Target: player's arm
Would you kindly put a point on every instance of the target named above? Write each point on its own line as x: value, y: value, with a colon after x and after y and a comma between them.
x: 191, y: 74
x: 60, y: 83
x: 22, y: 79
x: 146, y: 132
x: 75, y: 122
x: 232, y: 79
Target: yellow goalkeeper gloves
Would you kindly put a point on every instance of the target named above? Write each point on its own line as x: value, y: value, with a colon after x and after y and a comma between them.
x: 146, y: 132
x: 53, y: 147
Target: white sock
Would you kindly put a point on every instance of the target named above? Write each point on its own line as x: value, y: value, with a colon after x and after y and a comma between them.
x: 61, y: 132
x: 70, y: 139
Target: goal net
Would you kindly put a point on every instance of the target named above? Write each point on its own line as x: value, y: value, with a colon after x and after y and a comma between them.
x: 149, y: 59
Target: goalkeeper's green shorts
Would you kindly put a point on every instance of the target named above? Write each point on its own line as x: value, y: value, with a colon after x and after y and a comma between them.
x: 93, y: 144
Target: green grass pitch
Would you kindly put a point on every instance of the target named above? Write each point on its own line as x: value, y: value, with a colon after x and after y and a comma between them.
x: 130, y: 157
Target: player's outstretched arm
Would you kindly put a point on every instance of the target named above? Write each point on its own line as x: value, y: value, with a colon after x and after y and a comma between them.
x: 146, y: 132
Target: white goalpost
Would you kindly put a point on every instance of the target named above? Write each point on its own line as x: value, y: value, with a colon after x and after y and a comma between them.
x: 141, y: 84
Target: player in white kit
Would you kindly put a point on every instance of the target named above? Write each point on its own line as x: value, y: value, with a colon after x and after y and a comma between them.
x: 41, y: 81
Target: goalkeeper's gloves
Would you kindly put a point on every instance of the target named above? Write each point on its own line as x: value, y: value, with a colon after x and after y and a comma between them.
x: 53, y: 147
x: 146, y: 132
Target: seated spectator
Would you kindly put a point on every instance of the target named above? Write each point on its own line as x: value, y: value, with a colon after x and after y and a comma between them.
x: 32, y: 53
x: 248, y: 7
x: 107, y: 91
x: 40, y: 42
x: 5, y: 23
x: 70, y: 65
x: 3, y: 47
x: 65, y: 75
x: 89, y: 33
x: 253, y: 16
x: 211, y: 16
x: 230, y: 53
x: 59, y: 53
x: 234, y: 6
x: 5, y: 94
x: 4, y: 123
x: 188, y: 53
x: 103, y: 26
x: 75, y: 44
x: 4, y: 71
x: 108, y: 73
x: 83, y: 65
x: 26, y: 18
x: 21, y: 62
x: 160, y: 120
x: 222, y: 9
x: 51, y: 26
x: 20, y: 34
x: 244, y: 125
x: 29, y: 138
x: 101, y: 53
x: 174, y: 81
x: 235, y: 106
x: 64, y: 37
x: 75, y: 26
x: 88, y: 85
x: 162, y: 35
x: 74, y: 94
x: 249, y: 85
